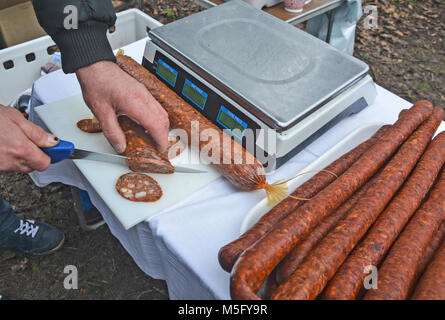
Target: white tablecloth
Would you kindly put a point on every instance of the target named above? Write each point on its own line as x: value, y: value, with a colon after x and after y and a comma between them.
x: 181, y: 246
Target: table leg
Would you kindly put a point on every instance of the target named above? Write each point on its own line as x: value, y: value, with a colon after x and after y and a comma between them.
x: 330, y: 24
x: 81, y: 215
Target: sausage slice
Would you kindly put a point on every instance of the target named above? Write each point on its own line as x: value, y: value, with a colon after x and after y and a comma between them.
x: 138, y: 187
x: 89, y: 125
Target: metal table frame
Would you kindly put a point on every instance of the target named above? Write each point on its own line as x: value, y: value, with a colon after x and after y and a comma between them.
x: 326, y: 8
x: 80, y: 214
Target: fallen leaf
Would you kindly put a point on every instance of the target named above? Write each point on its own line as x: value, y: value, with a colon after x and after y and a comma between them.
x: 20, y: 266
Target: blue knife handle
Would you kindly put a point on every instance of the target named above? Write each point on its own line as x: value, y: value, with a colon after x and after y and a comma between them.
x: 63, y: 150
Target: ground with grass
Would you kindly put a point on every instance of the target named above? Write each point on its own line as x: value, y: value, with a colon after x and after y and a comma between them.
x: 407, y: 51
x: 407, y: 55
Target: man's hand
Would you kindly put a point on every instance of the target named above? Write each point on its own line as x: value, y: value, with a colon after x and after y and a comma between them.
x: 20, y: 140
x: 109, y: 91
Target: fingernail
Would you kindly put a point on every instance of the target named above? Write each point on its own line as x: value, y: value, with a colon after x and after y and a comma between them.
x: 119, y: 148
x: 52, y: 140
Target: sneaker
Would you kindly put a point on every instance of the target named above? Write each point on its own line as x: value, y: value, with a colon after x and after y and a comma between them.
x: 30, y: 236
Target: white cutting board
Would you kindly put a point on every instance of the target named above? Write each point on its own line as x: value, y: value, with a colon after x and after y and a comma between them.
x: 61, y: 117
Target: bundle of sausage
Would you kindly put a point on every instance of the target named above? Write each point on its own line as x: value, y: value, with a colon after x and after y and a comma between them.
x: 307, y: 243
x: 229, y: 253
x: 397, y: 274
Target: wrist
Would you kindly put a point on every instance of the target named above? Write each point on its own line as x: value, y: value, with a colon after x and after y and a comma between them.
x: 83, y: 46
x: 94, y: 68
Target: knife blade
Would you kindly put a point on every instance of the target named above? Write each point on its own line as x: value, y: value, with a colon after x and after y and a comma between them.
x: 66, y: 150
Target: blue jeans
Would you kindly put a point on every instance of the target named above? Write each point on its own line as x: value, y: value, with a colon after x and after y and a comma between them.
x: 5, y: 210
x: 7, y: 216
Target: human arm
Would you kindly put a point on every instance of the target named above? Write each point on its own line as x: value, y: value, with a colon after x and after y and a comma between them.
x: 107, y: 90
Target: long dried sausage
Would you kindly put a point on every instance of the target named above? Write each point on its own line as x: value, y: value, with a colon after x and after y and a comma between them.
x: 398, y: 271
x: 348, y: 280
x: 438, y: 237
x: 271, y: 286
x: 240, y: 167
x: 320, y: 265
x: 304, y: 246
x: 259, y: 260
x: 432, y: 284
x: 138, y: 187
x: 229, y: 253
x: 141, y: 150
x: 256, y: 263
x: 428, y: 255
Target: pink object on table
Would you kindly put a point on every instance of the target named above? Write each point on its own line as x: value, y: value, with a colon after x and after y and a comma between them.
x: 294, y: 5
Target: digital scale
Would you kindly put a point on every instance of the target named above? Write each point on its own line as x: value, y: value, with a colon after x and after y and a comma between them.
x: 245, y: 69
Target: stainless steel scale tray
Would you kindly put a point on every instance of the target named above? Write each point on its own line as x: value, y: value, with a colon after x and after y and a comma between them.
x: 278, y: 72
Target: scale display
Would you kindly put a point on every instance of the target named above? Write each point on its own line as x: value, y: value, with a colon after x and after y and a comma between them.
x: 230, y: 121
x: 194, y: 94
x: 166, y: 72
x: 193, y: 91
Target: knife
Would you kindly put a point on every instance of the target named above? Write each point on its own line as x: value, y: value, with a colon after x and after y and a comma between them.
x: 66, y: 150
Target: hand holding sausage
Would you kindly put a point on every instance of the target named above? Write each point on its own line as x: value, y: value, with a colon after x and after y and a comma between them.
x: 20, y: 140
x: 109, y: 91
x: 235, y: 163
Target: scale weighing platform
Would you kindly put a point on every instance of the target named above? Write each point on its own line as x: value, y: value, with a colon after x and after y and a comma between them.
x: 245, y: 69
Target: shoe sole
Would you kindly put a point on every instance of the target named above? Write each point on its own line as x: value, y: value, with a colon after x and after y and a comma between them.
x: 60, y: 245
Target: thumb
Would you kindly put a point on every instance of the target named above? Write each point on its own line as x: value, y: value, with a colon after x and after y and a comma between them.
x: 112, y: 130
x: 37, y: 135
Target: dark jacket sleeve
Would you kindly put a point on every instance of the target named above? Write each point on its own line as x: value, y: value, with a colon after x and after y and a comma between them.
x: 88, y: 43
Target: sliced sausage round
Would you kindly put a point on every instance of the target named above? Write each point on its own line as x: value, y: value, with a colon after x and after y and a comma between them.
x: 89, y: 125
x: 138, y: 187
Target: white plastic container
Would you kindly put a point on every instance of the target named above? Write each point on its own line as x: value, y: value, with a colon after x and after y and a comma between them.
x: 261, y: 3
x: 131, y: 25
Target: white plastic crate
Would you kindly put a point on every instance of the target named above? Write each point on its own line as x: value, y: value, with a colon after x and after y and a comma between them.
x: 131, y: 25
